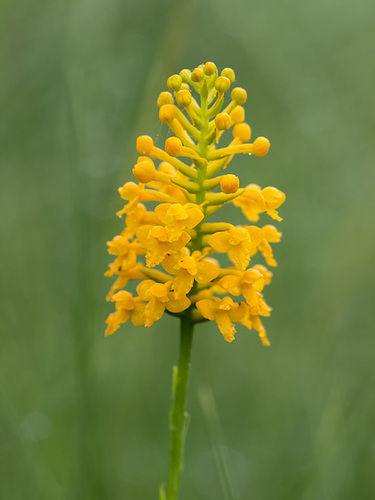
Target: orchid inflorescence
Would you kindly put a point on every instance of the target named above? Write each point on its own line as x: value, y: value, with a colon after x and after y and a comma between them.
x: 169, y: 248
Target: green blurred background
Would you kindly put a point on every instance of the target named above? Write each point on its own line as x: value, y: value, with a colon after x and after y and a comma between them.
x: 86, y: 417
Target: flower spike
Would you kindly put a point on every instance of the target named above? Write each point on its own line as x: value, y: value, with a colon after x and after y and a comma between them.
x: 168, y: 249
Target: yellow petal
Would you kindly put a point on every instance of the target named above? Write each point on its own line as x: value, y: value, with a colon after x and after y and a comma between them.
x: 271, y: 234
x: 227, y: 303
x: 252, y: 297
x: 138, y: 315
x: 219, y: 241
x: 267, y: 275
x: 169, y: 262
x: 116, y: 319
x: 161, y: 212
x: 257, y: 325
x: 143, y: 289
x: 254, y: 278
x: 160, y: 291
x: 154, y: 311
x: 124, y: 300
x: 206, y: 271
x: 241, y: 315
x: 176, y: 306
x: 225, y: 325
x: 239, y: 255
x: 207, y: 308
x: 231, y: 284
x: 182, y: 284
x: 195, y: 216
x: 256, y: 235
x: 266, y: 250
x: 187, y: 263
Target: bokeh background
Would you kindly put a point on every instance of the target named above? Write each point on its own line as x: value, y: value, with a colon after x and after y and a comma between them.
x: 86, y: 417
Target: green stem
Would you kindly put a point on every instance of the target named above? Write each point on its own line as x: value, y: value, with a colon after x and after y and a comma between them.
x: 177, y: 415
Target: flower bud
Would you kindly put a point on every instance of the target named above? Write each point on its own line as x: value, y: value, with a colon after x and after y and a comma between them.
x: 239, y: 95
x: 223, y: 121
x: 167, y: 113
x: 165, y: 98
x: 144, y: 171
x: 183, y: 98
x: 222, y: 84
x: 197, y: 75
x: 209, y: 68
x: 173, y: 146
x: 185, y: 75
x: 166, y: 168
x: 242, y: 131
x: 144, y: 145
x: 238, y: 114
x: 229, y: 183
x: 261, y: 145
x: 229, y: 73
x: 174, y: 82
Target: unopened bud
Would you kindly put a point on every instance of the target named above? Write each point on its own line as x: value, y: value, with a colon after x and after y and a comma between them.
x: 229, y: 73
x: 174, y: 82
x: 223, y: 121
x: 209, y: 68
x: 222, y: 84
x: 185, y: 75
x: 239, y: 95
x: 144, y: 145
x: 238, y: 114
x: 173, y: 146
x: 242, y: 131
x: 261, y: 145
x: 229, y: 184
x: 167, y: 113
x: 183, y: 98
x: 144, y: 171
x: 197, y: 75
x: 165, y: 98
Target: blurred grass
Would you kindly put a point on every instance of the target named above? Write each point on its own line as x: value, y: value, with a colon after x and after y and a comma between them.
x: 86, y: 417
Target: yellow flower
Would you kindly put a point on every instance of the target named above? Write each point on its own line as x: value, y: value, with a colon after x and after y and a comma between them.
x: 168, y: 242
x: 224, y: 312
x: 158, y: 298
x: 238, y: 243
x: 254, y: 200
x: 247, y: 283
x: 188, y: 268
x: 127, y: 307
x: 157, y: 242
x: 177, y: 217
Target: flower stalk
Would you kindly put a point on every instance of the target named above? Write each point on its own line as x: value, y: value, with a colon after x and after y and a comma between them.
x: 178, y: 417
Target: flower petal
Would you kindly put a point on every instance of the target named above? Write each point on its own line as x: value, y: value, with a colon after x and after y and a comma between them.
x: 207, y: 308
x: 225, y: 325
x: 219, y: 241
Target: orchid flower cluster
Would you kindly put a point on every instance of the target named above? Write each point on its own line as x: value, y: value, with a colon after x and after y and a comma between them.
x: 169, y: 245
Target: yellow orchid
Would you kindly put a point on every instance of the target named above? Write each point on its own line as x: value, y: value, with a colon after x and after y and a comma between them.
x: 224, y: 311
x: 238, y: 242
x: 184, y: 184
x: 188, y: 268
x: 159, y: 298
x: 127, y: 307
